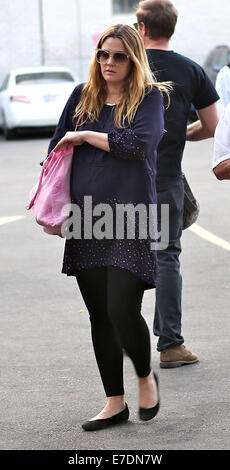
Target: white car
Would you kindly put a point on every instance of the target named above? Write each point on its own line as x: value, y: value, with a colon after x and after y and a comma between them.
x: 34, y: 97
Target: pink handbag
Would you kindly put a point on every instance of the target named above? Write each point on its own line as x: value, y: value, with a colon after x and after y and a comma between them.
x: 52, y: 192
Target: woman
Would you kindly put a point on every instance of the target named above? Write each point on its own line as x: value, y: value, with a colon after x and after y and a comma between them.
x: 119, y: 113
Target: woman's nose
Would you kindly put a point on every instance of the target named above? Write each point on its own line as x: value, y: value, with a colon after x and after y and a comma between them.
x: 110, y: 59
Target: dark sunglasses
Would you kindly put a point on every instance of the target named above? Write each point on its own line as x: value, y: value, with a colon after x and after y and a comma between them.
x: 135, y: 26
x: 119, y: 57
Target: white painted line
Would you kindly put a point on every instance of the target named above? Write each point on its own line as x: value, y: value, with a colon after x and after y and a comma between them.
x: 6, y: 220
x: 210, y: 237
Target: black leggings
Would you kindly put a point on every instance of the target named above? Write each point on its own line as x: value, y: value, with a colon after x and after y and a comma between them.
x: 113, y: 298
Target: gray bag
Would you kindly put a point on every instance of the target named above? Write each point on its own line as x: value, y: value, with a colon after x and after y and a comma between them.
x: 191, y: 206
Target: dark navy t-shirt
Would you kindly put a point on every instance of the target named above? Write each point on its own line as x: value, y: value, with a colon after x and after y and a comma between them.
x: 191, y: 86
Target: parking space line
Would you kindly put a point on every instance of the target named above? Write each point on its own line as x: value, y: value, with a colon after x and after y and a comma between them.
x: 195, y: 228
x: 12, y: 218
x: 210, y: 237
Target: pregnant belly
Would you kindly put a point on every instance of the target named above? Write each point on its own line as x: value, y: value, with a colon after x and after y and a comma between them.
x: 103, y: 185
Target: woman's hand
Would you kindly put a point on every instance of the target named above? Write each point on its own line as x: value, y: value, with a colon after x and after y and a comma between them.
x: 96, y: 139
x: 70, y: 139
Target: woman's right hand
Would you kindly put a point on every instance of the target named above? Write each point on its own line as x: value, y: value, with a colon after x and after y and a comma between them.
x: 70, y: 139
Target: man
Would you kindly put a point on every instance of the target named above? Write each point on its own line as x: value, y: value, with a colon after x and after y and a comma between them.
x: 156, y: 24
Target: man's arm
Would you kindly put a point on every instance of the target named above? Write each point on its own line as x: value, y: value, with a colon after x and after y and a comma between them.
x: 205, y: 126
x: 222, y: 171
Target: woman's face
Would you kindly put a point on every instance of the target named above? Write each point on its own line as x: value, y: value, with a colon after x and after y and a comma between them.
x: 113, y: 71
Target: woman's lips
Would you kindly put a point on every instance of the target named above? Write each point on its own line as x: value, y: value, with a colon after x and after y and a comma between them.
x: 109, y: 71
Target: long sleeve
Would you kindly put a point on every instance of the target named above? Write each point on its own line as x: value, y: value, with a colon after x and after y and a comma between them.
x: 145, y: 133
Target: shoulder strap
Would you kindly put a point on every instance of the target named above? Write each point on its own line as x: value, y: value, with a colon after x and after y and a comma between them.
x: 77, y: 123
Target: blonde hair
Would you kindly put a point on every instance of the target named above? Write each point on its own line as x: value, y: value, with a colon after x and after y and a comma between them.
x: 139, y: 81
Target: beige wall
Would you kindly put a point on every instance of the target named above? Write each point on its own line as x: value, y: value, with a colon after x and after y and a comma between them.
x: 202, y: 24
x: 19, y: 33
x: 71, y: 27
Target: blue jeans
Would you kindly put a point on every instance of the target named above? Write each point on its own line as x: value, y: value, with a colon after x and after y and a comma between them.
x: 167, y: 320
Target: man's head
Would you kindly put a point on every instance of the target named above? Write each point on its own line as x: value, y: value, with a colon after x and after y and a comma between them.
x: 157, y: 18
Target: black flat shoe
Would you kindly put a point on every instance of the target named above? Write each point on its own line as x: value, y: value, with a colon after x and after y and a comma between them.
x: 96, y: 424
x: 145, y: 414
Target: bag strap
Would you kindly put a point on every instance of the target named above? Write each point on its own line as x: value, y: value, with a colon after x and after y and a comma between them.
x: 31, y: 203
x: 77, y: 123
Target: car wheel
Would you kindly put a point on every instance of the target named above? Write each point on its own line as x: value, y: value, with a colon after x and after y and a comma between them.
x: 8, y: 133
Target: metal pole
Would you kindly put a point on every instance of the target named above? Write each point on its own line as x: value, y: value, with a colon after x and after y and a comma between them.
x: 79, y: 38
x: 42, y: 38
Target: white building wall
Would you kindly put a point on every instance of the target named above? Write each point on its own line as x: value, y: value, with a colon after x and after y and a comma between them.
x: 19, y: 37
x: 72, y: 26
x: 61, y: 39
x: 202, y: 24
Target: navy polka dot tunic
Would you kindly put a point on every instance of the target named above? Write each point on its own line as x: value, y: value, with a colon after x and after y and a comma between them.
x: 125, y: 175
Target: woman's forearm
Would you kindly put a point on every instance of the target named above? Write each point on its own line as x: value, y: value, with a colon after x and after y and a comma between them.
x: 98, y: 139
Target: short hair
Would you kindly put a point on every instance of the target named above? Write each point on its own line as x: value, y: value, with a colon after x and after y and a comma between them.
x: 159, y: 17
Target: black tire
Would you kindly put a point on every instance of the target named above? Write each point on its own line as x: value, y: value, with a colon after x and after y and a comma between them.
x: 8, y: 133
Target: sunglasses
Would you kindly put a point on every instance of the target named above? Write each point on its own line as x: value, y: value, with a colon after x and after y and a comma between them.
x: 119, y: 57
x: 135, y: 26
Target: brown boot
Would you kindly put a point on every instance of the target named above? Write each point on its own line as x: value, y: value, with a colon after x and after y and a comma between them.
x: 176, y: 356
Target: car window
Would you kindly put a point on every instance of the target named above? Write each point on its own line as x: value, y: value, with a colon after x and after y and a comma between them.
x: 222, y: 58
x: 43, y: 78
x: 5, y: 83
x: 214, y: 58
x: 215, y: 62
x: 217, y: 59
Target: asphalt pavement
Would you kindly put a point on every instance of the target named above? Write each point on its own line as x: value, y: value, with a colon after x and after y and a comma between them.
x: 49, y: 379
